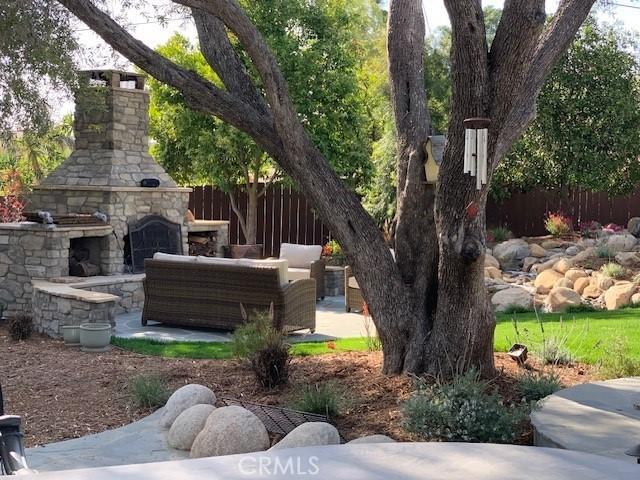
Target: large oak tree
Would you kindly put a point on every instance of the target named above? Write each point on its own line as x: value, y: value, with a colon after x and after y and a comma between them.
x: 429, y: 304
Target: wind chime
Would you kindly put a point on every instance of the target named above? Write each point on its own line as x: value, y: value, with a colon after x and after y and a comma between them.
x: 475, y: 148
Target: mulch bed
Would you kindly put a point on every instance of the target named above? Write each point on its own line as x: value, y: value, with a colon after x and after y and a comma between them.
x: 62, y: 393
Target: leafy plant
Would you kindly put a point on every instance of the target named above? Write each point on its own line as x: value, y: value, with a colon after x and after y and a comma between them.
x: 20, y: 326
x: 265, y: 348
x: 554, y: 351
x: 613, y: 270
x: 603, y: 251
x: 464, y: 410
x: 326, y: 398
x: 500, y: 233
x: 617, y: 363
x: 11, y: 206
x: 558, y: 224
x: 534, y: 387
x: 148, y: 391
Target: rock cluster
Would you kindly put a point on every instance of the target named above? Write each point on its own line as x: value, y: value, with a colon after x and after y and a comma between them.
x: 554, y: 275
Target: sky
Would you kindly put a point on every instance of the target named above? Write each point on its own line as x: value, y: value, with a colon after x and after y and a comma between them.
x: 622, y: 11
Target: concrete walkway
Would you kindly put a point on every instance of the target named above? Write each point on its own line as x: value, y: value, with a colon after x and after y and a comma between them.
x: 599, y: 417
x: 331, y: 322
x: 139, y: 442
x: 384, y: 461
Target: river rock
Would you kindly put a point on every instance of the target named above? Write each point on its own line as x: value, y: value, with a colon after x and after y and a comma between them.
x: 619, y: 295
x: 373, y: 439
x: 627, y: 259
x: 551, y: 244
x: 635, y: 298
x: 563, y: 282
x: 510, y: 254
x: 546, y: 280
x: 490, y: 261
x: 563, y: 265
x: 586, y: 254
x: 512, y: 297
x: 228, y: 431
x: 580, y: 284
x: 591, y: 291
x: 183, y: 398
x: 572, y: 250
x: 634, y: 226
x: 492, y: 272
x: 623, y: 242
x: 561, y: 298
x: 575, y: 273
x: 309, y: 434
x: 537, y: 251
x: 188, y: 425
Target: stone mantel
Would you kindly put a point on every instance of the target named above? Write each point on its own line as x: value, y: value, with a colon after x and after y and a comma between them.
x: 86, y: 230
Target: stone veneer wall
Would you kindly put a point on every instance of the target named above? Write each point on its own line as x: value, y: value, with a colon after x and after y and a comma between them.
x: 123, y: 206
x: 131, y: 295
x: 32, y: 251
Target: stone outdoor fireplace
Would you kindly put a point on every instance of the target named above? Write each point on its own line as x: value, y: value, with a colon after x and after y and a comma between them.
x: 102, y: 178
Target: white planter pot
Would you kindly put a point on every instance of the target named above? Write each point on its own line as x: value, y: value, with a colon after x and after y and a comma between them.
x: 95, y: 337
x: 71, y: 334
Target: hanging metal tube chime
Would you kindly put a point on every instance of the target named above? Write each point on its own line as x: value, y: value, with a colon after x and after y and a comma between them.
x: 475, y: 148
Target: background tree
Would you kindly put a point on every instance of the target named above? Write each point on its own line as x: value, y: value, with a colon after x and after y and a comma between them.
x: 429, y: 304
x: 36, y: 56
x: 587, y: 131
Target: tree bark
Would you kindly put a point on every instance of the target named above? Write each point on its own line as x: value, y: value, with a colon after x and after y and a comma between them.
x: 430, y: 307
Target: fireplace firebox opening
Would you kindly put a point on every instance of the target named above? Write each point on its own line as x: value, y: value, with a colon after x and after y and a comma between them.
x: 84, y: 256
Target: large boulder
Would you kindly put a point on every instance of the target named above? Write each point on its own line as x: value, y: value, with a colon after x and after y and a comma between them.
x: 228, y: 431
x: 634, y: 226
x: 512, y: 297
x: 529, y: 262
x: 561, y: 298
x: 537, y: 251
x: 550, y: 244
x: 602, y: 281
x: 510, y: 254
x: 581, y: 284
x: 373, y: 439
x: 490, y: 261
x: 492, y: 272
x: 546, y: 265
x: 586, y: 254
x: 591, y: 291
x: 183, y: 398
x: 563, y: 282
x: 621, y: 242
x: 546, y: 280
x: 310, y: 434
x: 619, y: 295
x: 575, y: 273
x: 188, y: 425
x: 635, y: 299
x: 563, y: 265
x: 628, y: 259
x: 572, y: 250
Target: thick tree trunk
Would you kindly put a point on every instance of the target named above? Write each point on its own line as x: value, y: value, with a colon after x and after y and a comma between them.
x: 430, y: 307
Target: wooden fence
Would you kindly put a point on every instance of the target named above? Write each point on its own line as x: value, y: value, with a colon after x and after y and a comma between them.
x: 284, y: 216
x: 523, y: 213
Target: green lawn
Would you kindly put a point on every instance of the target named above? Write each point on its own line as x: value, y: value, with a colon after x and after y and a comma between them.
x: 588, y: 335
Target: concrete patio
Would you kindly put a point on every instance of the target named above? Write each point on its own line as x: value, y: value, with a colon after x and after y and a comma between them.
x: 332, y: 322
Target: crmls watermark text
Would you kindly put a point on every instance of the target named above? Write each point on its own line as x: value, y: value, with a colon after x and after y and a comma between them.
x: 266, y: 466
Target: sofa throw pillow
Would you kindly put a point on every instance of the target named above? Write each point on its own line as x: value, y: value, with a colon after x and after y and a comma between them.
x: 300, y: 256
x: 280, y: 264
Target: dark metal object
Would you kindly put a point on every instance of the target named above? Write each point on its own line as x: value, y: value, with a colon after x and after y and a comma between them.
x: 152, y: 234
x: 518, y: 353
x: 476, y: 122
x: 276, y: 419
x: 12, y: 459
x: 150, y: 183
x: 634, y: 452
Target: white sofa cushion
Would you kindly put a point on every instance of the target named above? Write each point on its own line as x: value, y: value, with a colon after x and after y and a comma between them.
x: 280, y: 264
x: 217, y: 260
x: 353, y: 283
x: 294, y: 274
x: 173, y: 258
x: 300, y: 256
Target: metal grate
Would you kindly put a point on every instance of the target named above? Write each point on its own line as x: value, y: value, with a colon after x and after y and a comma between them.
x: 276, y: 419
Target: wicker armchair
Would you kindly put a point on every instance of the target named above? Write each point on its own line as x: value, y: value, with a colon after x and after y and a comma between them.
x: 206, y: 295
x: 353, y: 299
x: 305, y: 262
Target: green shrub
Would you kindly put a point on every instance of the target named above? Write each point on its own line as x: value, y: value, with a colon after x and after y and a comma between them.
x: 554, y: 351
x: 326, y: 398
x: 558, y: 224
x: 515, y: 309
x: 265, y: 348
x: 463, y: 410
x: 617, y: 363
x: 148, y: 391
x: 500, y: 234
x: 582, y: 308
x: 602, y: 251
x: 534, y: 387
x: 20, y: 326
x: 613, y: 270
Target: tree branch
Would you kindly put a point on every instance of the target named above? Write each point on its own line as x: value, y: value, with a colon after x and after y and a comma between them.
x: 220, y: 55
x: 553, y: 43
x: 239, y: 214
x: 199, y: 94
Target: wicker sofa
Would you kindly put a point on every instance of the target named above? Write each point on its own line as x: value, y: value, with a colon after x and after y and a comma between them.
x: 208, y: 293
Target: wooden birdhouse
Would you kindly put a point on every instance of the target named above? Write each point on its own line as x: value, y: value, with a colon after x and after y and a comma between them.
x: 434, y: 151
